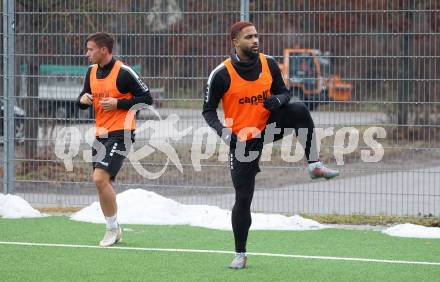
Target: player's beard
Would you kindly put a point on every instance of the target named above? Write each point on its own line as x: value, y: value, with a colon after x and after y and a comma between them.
x: 250, y: 53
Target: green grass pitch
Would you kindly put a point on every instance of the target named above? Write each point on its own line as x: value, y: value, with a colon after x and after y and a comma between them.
x: 70, y: 263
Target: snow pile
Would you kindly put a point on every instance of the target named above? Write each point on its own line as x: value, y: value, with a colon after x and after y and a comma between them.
x: 12, y: 206
x: 137, y: 206
x: 413, y: 231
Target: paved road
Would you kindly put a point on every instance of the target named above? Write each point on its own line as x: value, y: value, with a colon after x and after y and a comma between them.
x: 394, y: 193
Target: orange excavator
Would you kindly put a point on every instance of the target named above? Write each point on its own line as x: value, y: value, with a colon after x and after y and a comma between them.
x: 307, y: 75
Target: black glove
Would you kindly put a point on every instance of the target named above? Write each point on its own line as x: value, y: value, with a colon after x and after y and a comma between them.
x: 229, y: 138
x: 276, y: 101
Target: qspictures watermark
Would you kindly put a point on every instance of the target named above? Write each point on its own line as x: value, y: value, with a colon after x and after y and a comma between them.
x: 205, y: 143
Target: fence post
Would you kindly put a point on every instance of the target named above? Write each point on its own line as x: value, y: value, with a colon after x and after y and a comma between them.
x: 405, y: 71
x: 8, y: 95
x: 244, y: 10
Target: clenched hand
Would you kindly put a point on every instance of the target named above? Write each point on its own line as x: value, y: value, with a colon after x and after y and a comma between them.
x: 109, y: 104
x: 86, y: 99
x: 276, y: 101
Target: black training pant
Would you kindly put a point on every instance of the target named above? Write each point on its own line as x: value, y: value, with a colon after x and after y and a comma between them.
x: 294, y: 116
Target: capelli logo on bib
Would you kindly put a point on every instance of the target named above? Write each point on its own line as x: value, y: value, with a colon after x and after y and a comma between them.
x: 255, y: 100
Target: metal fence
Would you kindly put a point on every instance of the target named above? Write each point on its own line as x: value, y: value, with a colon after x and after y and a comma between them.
x: 384, y: 53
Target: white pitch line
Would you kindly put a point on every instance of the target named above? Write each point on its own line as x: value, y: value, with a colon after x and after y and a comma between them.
x: 219, y: 252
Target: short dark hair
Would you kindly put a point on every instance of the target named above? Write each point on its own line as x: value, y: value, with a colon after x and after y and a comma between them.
x: 102, y: 39
x: 237, y: 27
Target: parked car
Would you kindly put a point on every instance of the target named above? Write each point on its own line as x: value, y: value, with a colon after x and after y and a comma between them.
x: 19, y: 115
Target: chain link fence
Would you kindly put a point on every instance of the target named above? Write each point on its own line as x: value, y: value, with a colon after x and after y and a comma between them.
x: 357, y: 64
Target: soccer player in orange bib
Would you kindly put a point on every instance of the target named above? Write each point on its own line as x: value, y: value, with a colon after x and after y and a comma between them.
x: 112, y: 88
x: 253, y: 95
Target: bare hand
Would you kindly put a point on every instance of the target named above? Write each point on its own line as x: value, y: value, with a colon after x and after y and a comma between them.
x: 109, y: 104
x: 86, y: 99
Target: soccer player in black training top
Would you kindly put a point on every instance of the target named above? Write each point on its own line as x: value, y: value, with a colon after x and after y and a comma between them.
x: 253, y: 95
x: 112, y: 88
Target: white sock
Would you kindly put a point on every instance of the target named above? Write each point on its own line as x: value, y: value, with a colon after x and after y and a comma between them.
x: 241, y: 254
x: 312, y: 166
x: 112, y: 222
